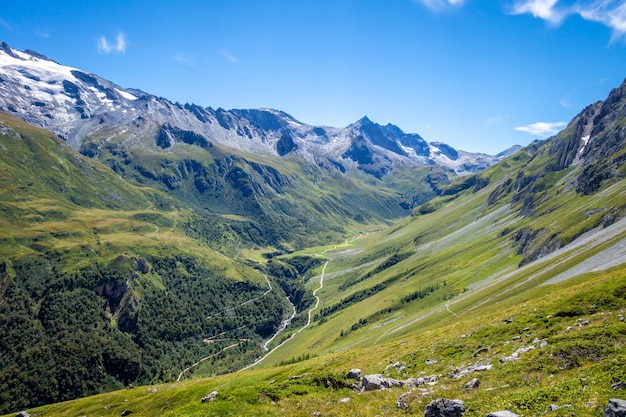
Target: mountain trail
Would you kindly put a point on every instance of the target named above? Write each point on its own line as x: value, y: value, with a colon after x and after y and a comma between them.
x: 317, y: 302
x: 269, y: 290
x: 450, y: 311
x: 184, y: 371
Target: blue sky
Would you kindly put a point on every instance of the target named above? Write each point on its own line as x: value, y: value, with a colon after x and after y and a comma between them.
x: 480, y: 75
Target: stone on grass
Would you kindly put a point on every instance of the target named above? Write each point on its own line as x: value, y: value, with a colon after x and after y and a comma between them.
x: 402, y: 403
x: 212, y: 396
x: 415, y: 382
x: 473, y: 384
x: 443, y: 407
x: 615, y: 408
x: 354, y: 374
x: 503, y: 413
x: 377, y: 382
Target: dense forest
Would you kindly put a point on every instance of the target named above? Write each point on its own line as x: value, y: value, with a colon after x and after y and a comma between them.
x: 93, y: 317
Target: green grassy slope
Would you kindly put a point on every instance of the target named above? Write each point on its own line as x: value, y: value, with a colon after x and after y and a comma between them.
x: 464, y: 249
x: 291, y: 202
x: 573, y: 333
x: 102, y: 282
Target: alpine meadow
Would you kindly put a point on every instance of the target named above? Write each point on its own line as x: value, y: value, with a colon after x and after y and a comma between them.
x: 159, y: 258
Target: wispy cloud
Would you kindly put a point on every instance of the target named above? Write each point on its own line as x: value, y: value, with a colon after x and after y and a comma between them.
x: 181, y: 58
x: 42, y: 33
x: 543, y: 129
x: 607, y: 12
x: 440, y: 5
x: 543, y: 9
x: 611, y: 13
x: 229, y: 57
x: 497, y: 119
x: 6, y: 25
x: 118, y: 47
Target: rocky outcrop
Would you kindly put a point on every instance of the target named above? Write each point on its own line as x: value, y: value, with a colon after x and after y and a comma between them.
x: 378, y: 382
x: 443, y: 407
x: 113, y: 292
x: 473, y: 384
x: 354, y: 374
x: 615, y: 408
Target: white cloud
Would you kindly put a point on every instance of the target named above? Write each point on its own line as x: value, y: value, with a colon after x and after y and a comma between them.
x: 607, y: 12
x: 543, y: 9
x: 611, y: 13
x: 541, y: 128
x: 438, y: 5
x: 119, y: 47
x: 229, y: 57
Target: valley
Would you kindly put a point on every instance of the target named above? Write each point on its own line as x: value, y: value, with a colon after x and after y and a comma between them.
x: 153, y: 253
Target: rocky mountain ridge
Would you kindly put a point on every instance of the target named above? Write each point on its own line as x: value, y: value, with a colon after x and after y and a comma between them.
x: 79, y: 106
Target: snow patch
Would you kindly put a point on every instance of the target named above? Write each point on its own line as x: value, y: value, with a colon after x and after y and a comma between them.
x: 127, y: 96
x: 585, y: 140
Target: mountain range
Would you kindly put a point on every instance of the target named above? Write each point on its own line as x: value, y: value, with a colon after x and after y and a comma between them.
x: 80, y: 106
x: 144, y: 241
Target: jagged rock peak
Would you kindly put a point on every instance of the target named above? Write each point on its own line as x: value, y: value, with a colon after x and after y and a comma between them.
x: 79, y: 106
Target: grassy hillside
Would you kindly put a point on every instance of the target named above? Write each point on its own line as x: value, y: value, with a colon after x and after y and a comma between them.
x: 573, y: 334
x: 466, y: 249
x: 290, y: 201
x: 111, y: 276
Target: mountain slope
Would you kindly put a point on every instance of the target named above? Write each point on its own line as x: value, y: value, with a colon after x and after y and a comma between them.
x: 515, y: 276
x: 103, y: 283
x: 181, y: 261
x: 524, y: 221
x: 293, y: 183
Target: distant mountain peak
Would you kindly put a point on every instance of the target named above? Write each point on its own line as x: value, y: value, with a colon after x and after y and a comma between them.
x: 77, y: 105
x: 364, y: 120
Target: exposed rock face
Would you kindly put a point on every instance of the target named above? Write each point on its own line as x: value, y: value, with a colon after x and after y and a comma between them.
x: 377, y: 382
x: 113, y: 292
x: 615, y: 408
x: 443, y: 407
